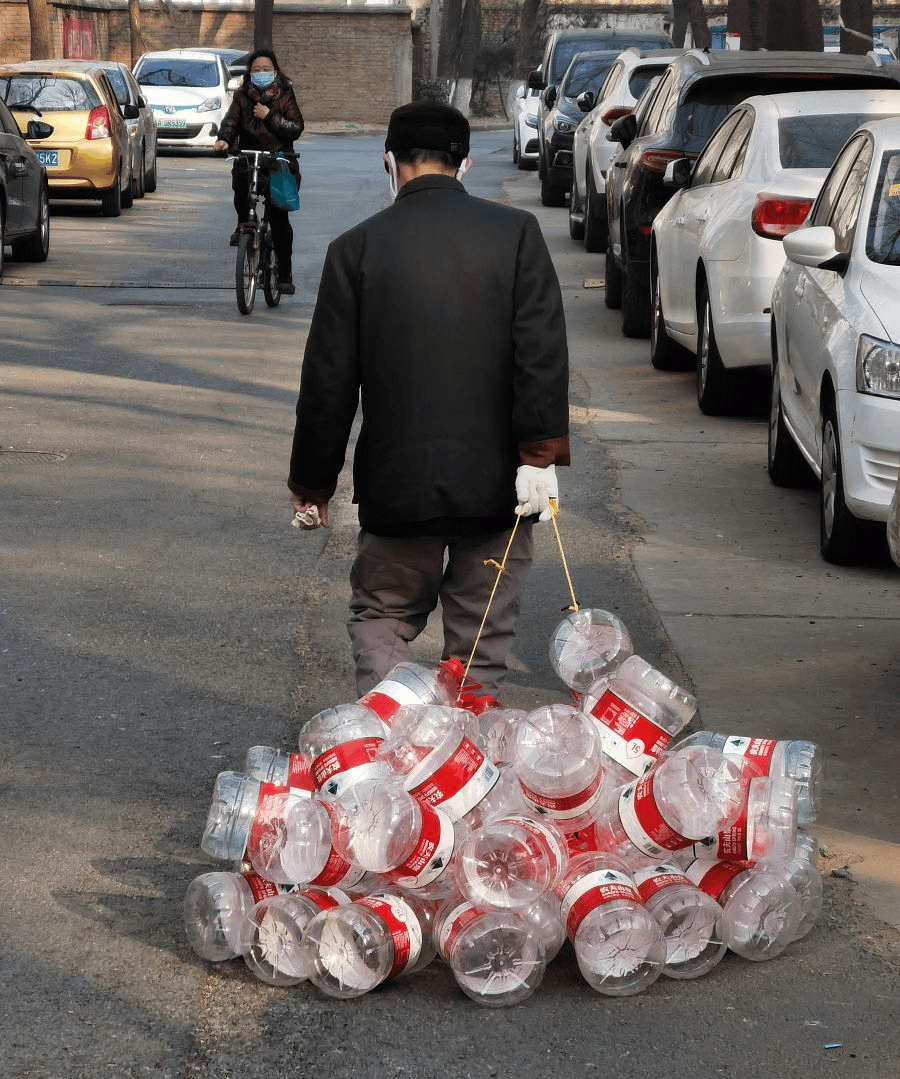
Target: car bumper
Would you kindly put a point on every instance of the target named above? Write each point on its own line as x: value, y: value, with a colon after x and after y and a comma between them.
x: 84, y: 167
x: 194, y: 133
x: 867, y: 428
x: 741, y: 295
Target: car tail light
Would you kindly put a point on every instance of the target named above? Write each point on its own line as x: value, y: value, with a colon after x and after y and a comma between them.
x: 656, y: 160
x: 775, y: 217
x: 99, y: 125
x: 615, y: 113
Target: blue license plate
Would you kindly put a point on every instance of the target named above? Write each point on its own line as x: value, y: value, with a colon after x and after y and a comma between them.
x: 48, y: 158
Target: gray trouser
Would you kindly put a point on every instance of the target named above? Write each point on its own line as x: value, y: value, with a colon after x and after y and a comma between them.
x: 397, y: 583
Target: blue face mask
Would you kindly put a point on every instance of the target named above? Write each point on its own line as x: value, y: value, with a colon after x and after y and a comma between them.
x: 262, y: 79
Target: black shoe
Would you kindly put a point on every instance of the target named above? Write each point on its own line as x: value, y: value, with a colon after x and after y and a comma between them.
x: 286, y: 288
x: 235, y: 237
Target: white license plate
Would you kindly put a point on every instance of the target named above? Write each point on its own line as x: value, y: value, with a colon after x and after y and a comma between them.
x: 48, y: 158
x: 162, y: 122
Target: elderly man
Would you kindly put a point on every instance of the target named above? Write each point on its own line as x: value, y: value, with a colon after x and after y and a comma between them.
x: 442, y: 317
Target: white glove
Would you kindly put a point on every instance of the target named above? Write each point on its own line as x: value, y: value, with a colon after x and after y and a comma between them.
x: 534, y: 489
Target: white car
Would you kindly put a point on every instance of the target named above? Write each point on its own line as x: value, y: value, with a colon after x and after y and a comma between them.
x: 188, y: 92
x: 716, y: 246
x: 592, y: 151
x: 525, y: 122
x: 835, y: 405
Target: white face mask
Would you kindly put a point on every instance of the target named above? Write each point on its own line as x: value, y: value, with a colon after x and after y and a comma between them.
x: 463, y: 169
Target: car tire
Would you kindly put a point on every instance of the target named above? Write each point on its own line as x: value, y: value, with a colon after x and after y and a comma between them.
x: 786, y: 465
x: 841, y: 535
x: 2, y: 237
x: 515, y: 150
x: 715, y: 384
x: 665, y: 354
x: 551, y: 195
x: 36, y: 247
x: 150, y: 176
x: 635, y: 306
x: 128, y: 193
x: 111, y: 200
x: 613, y: 283
x: 137, y: 178
x: 595, y: 232
x: 576, y: 224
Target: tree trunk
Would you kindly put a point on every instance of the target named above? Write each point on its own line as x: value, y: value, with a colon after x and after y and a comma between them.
x: 460, y: 41
x: 262, y: 24
x: 856, y: 15
x: 134, y: 29
x: 527, y: 45
x: 39, y: 18
x: 690, y: 13
x: 798, y: 26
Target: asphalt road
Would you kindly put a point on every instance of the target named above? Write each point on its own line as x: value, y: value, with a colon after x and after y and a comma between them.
x: 158, y: 616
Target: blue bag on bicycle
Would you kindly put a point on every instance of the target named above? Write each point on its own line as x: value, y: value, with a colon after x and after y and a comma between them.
x: 283, y: 190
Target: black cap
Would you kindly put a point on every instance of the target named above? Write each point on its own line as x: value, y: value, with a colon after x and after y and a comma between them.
x: 428, y: 125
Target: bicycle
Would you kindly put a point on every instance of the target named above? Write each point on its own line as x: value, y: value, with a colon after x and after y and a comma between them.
x: 257, y: 262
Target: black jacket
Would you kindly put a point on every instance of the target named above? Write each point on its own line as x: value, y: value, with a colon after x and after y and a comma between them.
x: 278, y: 131
x: 443, y: 315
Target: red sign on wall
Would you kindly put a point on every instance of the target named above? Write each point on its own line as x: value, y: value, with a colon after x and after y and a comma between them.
x: 78, y: 39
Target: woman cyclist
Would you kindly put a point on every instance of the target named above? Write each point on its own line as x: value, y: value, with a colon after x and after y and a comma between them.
x: 264, y: 115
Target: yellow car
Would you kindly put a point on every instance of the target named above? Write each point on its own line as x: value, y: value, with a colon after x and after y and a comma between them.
x: 88, y: 154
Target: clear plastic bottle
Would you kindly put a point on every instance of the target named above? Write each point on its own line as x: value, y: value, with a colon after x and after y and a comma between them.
x: 803, y: 873
x: 411, y: 683
x: 272, y: 932
x: 794, y: 759
x: 350, y: 950
x: 342, y: 744
x: 215, y: 905
x: 270, y: 765
x: 689, y: 795
x: 688, y: 917
x: 767, y: 827
x: 586, y: 644
x: 382, y: 828
x: 761, y: 911
x: 435, y: 750
x: 558, y: 763
x: 498, y: 730
x: 544, y: 916
x: 245, y: 813
x: 511, y: 862
x: 495, y: 956
x: 618, y: 943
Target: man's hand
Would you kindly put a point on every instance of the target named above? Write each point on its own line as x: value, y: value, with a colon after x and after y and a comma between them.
x: 534, y: 489
x: 309, y: 515
x: 220, y: 146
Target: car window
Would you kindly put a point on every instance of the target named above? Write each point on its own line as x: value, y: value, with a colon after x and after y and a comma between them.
x: 612, y: 81
x: 51, y: 93
x: 883, y: 237
x: 653, y: 119
x: 172, y: 71
x: 704, y: 106
x: 846, y: 209
x: 706, y: 162
x: 8, y: 121
x: 821, y: 211
x: 117, y: 79
x: 640, y: 77
x: 584, y: 74
x: 731, y: 163
x: 813, y: 142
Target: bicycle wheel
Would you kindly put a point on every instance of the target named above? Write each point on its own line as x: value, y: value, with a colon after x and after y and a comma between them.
x: 245, y: 273
x: 270, y: 276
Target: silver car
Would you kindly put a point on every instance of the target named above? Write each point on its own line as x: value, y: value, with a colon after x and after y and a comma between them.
x: 141, y: 130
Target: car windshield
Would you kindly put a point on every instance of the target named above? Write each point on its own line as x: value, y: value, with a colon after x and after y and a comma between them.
x: 639, y: 78
x: 170, y: 71
x: 117, y: 79
x: 48, y: 92
x: 585, y: 74
x: 813, y: 142
x: 883, y: 237
x: 566, y: 51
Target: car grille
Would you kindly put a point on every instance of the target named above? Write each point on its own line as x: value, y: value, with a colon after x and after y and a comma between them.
x: 189, y: 132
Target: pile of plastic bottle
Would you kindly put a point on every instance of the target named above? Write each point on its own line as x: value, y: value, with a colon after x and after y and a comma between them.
x: 408, y: 828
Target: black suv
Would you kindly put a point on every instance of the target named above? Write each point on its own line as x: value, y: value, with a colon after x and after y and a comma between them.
x: 693, y: 95
x: 559, y: 51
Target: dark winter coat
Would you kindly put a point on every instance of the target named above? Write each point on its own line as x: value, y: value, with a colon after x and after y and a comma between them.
x: 443, y: 316
x: 278, y: 131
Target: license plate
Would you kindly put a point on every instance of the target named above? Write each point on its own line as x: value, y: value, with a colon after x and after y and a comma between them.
x: 163, y: 122
x: 48, y: 158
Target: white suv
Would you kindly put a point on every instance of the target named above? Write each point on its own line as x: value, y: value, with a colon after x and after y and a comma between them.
x: 188, y: 92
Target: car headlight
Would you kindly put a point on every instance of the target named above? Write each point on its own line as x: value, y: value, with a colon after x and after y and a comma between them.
x: 531, y: 121
x: 564, y: 127
x: 877, y: 367
x: 210, y: 104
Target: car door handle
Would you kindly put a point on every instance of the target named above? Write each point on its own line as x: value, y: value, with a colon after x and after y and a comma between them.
x: 679, y: 222
x: 620, y: 164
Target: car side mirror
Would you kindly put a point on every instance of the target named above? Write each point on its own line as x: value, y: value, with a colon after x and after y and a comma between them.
x: 623, y: 130
x: 678, y: 172
x: 815, y: 247
x: 234, y: 83
x: 37, y: 129
x: 550, y: 95
x: 585, y: 101
x: 131, y: 112
x: 536, y: 80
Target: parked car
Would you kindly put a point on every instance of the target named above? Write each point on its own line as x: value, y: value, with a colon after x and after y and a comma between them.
x: 525, y: 134
x: 88, y: 154
x: 696, y: 92
x: 716, y: 247
x: 24, y: 196
x: 562, y: 114
x: 593, y: 149
x: 835, y: 403
x: 188, y: 91
x: 562, y: 45
x: 141, y: 128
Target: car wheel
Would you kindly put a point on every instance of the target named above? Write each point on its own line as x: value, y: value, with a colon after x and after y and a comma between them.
x: 2, y: 236
x: 594, y: 223
x: 840, y: 533
x: 786, y: 464
x: 635, y: 305
x: 150, y: 176
x: 550, y: 194
x: 111, y: 200
x: 613, y: 282
x: 515, y: 150
x: 128, y: 193
x: 36, y: 247
x: 137, y: 178
x: 665, y: 354
x: 576, y: 216
x: 714, y: 382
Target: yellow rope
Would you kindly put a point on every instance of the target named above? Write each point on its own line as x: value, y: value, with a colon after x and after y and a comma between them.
x: 554, y: 510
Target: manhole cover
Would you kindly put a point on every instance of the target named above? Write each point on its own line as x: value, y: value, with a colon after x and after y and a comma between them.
x: 29, y: 457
